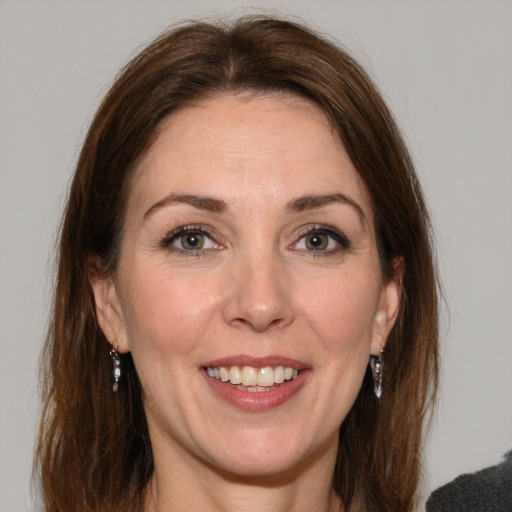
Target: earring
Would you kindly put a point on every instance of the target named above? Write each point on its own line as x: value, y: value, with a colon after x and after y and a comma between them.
x: 377, y: 365
x: 116, y: 368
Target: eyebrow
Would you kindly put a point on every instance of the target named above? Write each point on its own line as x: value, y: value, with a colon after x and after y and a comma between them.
x: 216, y: 205
x: 206, y: 203
x: 312, y: 202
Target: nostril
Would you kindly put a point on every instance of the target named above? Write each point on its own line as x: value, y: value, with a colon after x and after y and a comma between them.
x: 240, y: 322
x: 254, y: 325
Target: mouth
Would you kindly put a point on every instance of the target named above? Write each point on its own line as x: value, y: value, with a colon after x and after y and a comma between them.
x: 253, y: 379
x: 256, y: 384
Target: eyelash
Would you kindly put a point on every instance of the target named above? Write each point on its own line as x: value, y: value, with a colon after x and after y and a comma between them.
x: 343, y: 243
x: 175, y: 234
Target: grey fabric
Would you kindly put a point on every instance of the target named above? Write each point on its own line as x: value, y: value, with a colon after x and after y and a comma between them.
x: 488, y: 490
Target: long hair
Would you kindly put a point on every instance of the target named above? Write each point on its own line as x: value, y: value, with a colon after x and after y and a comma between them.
x: 94, y: 452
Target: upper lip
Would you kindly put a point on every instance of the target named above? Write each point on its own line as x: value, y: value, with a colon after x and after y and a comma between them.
x: 256, y: 362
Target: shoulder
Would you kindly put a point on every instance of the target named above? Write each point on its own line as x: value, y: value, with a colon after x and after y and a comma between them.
x: 488, y: 489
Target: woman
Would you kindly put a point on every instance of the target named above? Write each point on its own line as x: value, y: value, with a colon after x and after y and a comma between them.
x: 246, y: 305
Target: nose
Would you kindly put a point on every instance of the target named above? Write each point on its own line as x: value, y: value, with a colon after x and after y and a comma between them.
x: 259, y: 296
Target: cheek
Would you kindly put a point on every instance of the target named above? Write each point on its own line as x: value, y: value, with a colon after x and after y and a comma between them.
x: 166, y: 311
x: 341, y: 311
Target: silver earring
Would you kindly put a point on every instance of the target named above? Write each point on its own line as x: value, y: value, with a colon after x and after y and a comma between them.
x: 377, y: 365
x: 116, y: 368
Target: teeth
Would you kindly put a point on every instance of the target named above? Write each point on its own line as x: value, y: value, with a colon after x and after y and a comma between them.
x: 253, y: 379
x: 279, y: 375
x: 255, y: 389
x: 224, y: 375
x: 235, y: 376
x: 249, y: 376
x: 266, y: 376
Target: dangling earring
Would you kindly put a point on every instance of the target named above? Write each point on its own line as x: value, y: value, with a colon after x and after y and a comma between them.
x: 377, y: 365
x: 116, y: 368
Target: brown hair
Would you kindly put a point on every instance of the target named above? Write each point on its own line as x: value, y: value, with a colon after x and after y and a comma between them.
x: 94, y: 451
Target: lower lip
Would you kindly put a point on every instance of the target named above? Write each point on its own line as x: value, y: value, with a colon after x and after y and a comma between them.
x: 259, y: 400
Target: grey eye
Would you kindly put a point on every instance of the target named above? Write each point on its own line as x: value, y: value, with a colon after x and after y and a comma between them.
x: 191, y: 241
x: 317, y: 241
x: 322, y: 240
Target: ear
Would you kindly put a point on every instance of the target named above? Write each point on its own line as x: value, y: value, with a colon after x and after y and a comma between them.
x: 388, y: 308
x: 108, y: 311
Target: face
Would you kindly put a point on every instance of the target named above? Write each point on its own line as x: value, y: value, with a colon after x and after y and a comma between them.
x: 249, y: 290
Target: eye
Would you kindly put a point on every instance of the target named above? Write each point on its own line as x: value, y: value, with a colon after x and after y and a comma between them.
x: 321, y: 239
x: 190, y: 239
x: 317, y: 241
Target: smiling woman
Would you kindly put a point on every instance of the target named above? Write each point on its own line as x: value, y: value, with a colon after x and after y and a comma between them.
x: 244, y: 235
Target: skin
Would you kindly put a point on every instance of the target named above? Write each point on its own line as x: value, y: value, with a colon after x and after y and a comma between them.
x: 256, y: 288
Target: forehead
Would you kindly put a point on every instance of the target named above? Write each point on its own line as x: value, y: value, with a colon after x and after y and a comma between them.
x: 250, y: 147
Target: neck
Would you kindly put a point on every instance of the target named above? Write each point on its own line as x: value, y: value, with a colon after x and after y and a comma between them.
x: 242, y: 496
x: 194, y: 485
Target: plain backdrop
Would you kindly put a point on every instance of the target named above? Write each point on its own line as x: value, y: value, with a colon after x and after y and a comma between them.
x: 445, y: 67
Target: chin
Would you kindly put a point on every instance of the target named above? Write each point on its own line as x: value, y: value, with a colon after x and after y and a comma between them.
x: 258, y: 469
x: 260, y: 456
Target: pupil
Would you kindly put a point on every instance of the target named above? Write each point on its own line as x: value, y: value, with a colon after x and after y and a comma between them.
x: 317, y: 241
x: 192, y: 241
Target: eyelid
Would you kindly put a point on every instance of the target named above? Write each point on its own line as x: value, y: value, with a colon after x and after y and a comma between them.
x: 338, y: 236
x: 208, y: 232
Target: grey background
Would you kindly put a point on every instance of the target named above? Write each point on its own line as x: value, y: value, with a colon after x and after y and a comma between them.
x: 445, y: 68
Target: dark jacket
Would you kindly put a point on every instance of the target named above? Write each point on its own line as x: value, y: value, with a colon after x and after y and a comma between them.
x: 488, y: 490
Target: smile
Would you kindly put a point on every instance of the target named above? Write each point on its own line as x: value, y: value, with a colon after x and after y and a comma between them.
x: 256, y: 384
x: 248, y: 378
